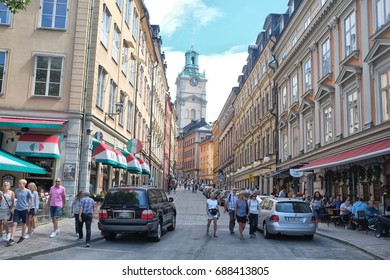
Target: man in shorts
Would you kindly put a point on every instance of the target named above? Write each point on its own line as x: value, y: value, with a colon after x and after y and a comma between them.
x: 56, y: 202
x: 22, y: 207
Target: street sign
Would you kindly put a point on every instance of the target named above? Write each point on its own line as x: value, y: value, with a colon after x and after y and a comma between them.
x: 134, y: 146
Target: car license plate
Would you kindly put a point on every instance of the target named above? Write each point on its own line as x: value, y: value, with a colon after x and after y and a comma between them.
x: 125, y: 215
x: 294, y: 219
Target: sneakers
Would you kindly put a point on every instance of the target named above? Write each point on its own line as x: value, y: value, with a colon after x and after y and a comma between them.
x: 87, y: 245
x: 53, y: 234
x: 58, y: 230
x: 8, y: 236
x: 27, y: 236
x: 10, y: 242
x: 372, y: 227
x: 20, y: 240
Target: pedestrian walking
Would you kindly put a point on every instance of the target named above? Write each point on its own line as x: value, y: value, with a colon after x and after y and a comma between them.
x: 230, y: 206
x: 34, y: 209
x: 56, y: 202
x: 87, y: 205
x: 241, y: 213
x: 212, y: 213
x: 75, y: 211
x: 7, y: 201
x: 22, y: 207
x: 253, y: 215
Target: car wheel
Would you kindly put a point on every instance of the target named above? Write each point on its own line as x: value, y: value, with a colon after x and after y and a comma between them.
x: 266, y: 234
x: 173, y: 225
x: 309, y: 237
x: 157, y: 237
x: 110, y: 237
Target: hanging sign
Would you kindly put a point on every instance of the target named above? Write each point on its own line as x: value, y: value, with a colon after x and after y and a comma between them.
x: 134, y: 146
x: 99, y: 135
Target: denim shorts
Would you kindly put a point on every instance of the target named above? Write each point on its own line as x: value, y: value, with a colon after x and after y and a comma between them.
x: 20, y: 216
x: 55, y: 211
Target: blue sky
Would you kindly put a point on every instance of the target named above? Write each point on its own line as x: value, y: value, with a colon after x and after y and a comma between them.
x: 221, y: 31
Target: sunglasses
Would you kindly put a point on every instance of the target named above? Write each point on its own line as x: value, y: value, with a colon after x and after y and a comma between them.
x: 58, y: 181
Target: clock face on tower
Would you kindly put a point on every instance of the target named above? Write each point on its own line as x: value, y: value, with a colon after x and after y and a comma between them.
x: 194, y: 81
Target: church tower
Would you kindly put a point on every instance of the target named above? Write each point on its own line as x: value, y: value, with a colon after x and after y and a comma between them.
x: 190, y: 100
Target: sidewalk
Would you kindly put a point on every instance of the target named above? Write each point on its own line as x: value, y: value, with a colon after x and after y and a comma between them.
x: 41, y: 243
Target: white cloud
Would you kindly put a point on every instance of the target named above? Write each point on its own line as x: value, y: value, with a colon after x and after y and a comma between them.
x: 219, y: 68
x: 172, y: 14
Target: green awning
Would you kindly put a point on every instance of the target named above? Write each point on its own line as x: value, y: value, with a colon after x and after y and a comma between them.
x: 31, y: 123
x: 10, y: 162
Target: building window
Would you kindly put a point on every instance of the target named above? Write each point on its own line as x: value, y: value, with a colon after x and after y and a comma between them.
x: 53, y: 14
x: 135, y: 24
x: 309, y: 134
x: 121, y: 100
x: 307, y: 69
x: 105, y: 26
x: 124, y: 60
x: 285, y: 147
x: 294, y: 89
x: 382, y: 12
x: 132, y: 72
x: 295, y: 138
x: 325, y: 59
x: 328, y: 125
x: 128, y: 12
x: 100, y: 87
x: 119, y: 4
x: 350, y: 33
x: 284, y: 99
x: 307, y: 22
x: 5, y: 15
x: 115, y: 44
x: 353, y: 114
x: 385, y: 95
x: 112, y: 98
x: 48, y: 75
x: 129, y: 116
x: 3, y: 66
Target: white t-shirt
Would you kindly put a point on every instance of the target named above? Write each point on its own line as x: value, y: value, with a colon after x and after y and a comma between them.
x: 212, y: 204
x: 253, y: 206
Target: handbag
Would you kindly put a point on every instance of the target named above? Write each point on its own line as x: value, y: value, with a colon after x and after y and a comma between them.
x: 213, y: 211
x: 12, y: 214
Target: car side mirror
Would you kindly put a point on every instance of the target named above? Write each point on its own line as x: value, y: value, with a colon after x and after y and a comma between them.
x: 171, y: 199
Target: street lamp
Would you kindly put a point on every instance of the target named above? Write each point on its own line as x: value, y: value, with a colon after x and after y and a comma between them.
x: 118, y: 110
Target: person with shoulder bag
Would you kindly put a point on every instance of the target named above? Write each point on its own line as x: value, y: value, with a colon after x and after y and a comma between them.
x: 212, y: 213
x: 253, y: 215
x: 7, y: 200
x: 241, y: 213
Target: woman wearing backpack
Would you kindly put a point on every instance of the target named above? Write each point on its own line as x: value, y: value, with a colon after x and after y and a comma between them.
x: 212, y: 213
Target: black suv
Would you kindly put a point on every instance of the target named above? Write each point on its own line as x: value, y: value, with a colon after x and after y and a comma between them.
x: 130, y: 209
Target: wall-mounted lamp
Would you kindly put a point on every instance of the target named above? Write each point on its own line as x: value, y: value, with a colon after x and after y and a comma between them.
x: 89, y: 131
x: 273, y: 64
x: 118, y: 110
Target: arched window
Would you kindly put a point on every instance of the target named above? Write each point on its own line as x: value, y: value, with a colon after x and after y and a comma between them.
x: 193, y: 114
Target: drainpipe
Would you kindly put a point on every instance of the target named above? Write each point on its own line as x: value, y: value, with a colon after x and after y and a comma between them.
x: 85, y: 95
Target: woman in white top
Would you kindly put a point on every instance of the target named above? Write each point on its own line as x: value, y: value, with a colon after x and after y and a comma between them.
x: 212, y: 213
x: 253, y: 215
x: 33, y: 211
x: 7, y: 200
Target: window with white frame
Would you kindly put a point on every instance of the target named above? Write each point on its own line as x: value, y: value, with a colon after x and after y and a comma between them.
x: 295, y: 142
x: 48, y: 75
x: 106, y: 22
x: 115, y: 44
x: 353, y: 113
x: 328, y: 124
x: 129, y: 116
x: 119, y: 4
x: 309, y: 133
x: 5, y: 15
x: 124, y: 60
x: 3, y: 66
x: 325, y: 58
x: 54, y: 14
x: 385, y: 96
x: 350, y: 33
x: 135, y: 24
x: 294, y: 88
x: 307, y: 69
x: 132, y: 72
x: 285, y: 146
x: 101, y: 87
x: 128, y: 12
x: 112, y: 97
x: 382, y: 12
x: 284, y: 99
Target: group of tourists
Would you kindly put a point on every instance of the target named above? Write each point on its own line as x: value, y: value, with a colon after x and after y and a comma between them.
x: 239, y: 209
x: 21, y: 206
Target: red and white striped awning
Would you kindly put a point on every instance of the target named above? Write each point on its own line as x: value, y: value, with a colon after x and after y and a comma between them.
x: 35, y: 145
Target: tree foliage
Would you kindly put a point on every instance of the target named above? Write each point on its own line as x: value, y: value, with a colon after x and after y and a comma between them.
x: 16, y: 5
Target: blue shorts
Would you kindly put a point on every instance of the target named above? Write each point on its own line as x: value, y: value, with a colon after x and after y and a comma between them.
x: 55, y: 211
x: 20, y: 215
